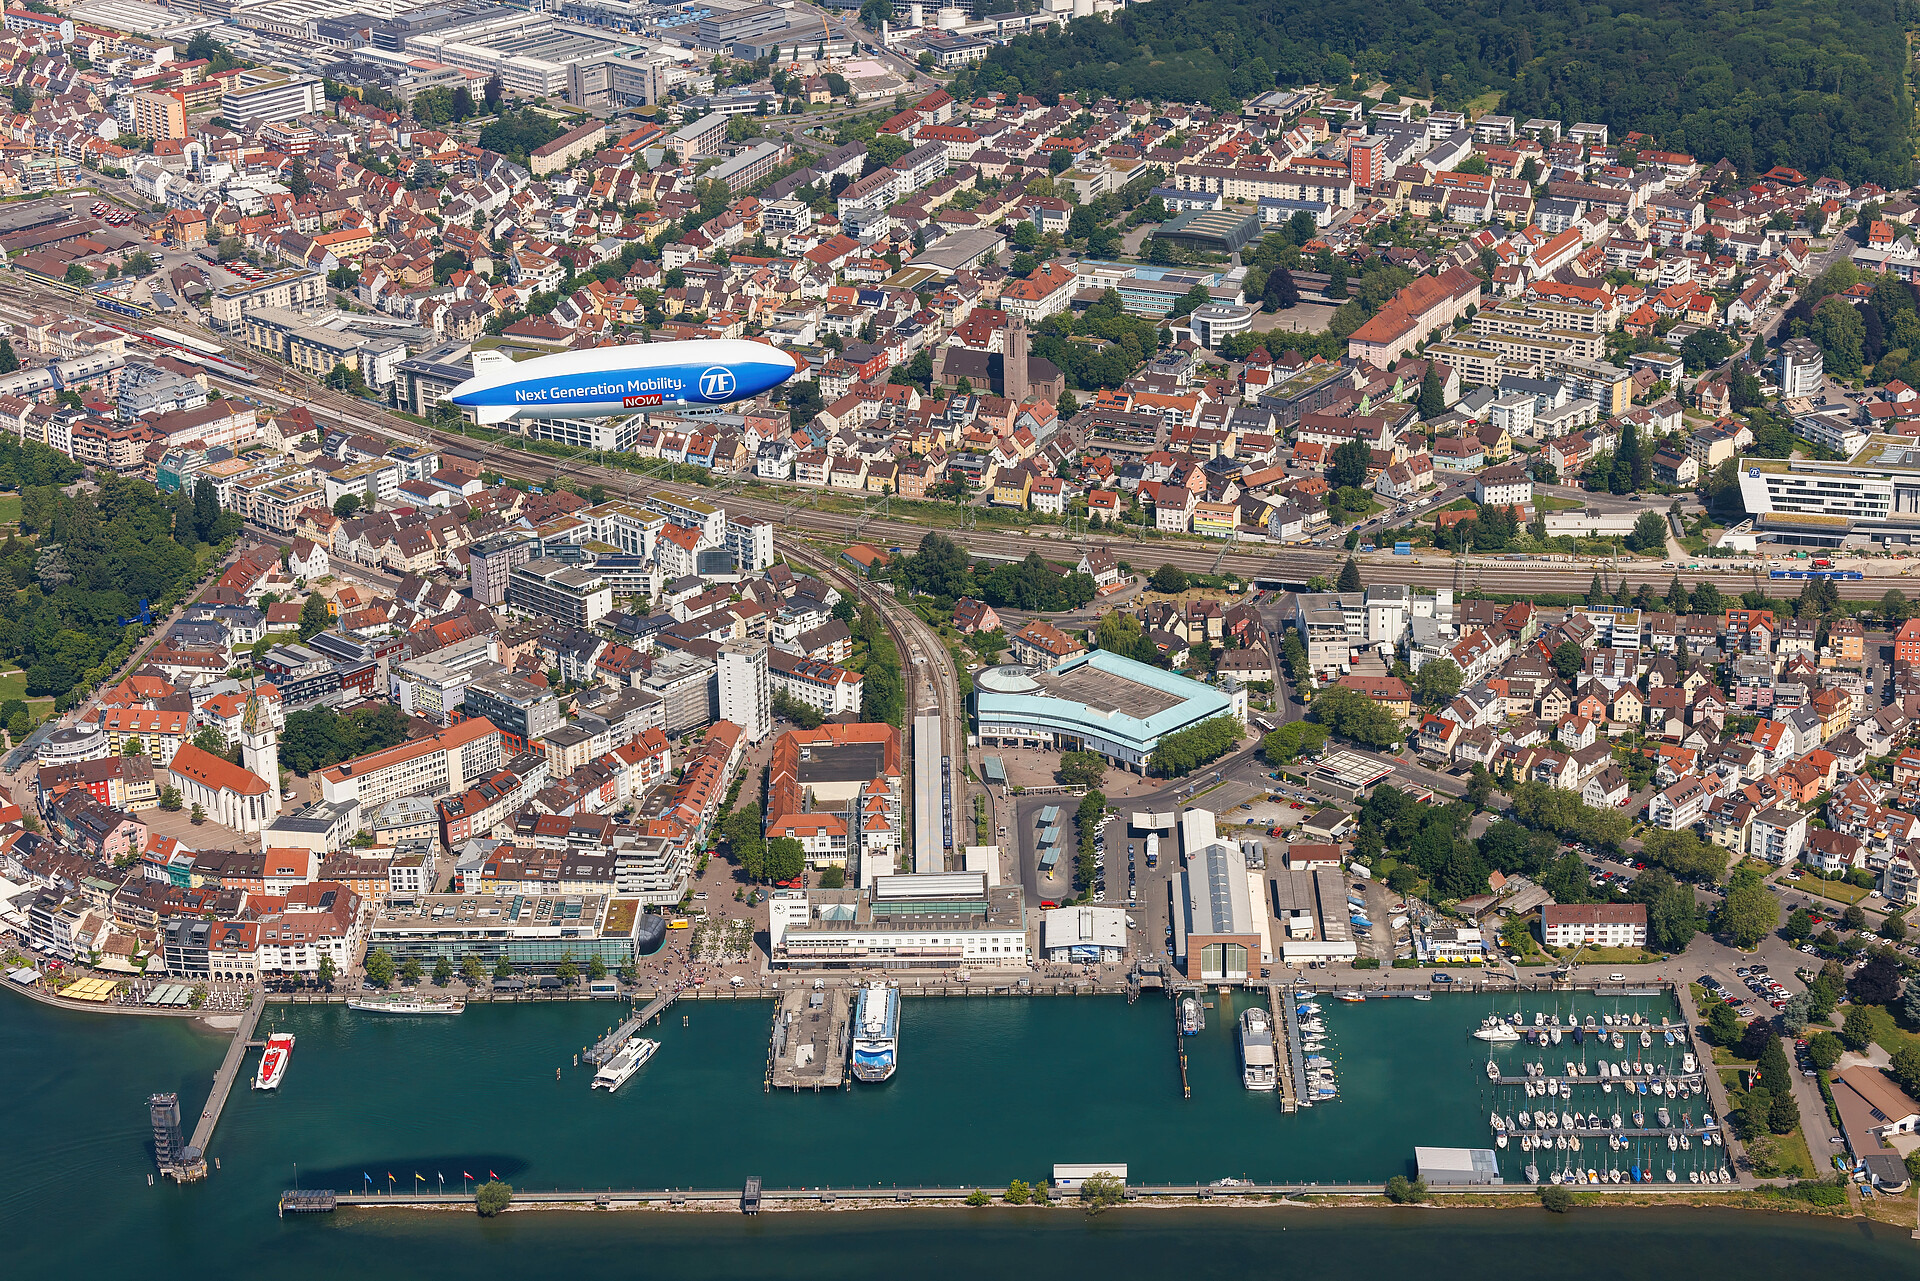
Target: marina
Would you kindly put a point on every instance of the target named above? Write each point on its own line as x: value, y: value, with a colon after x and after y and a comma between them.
x: 808, y: 1047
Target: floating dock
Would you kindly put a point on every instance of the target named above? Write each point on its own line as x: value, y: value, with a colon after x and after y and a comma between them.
x: 808, y: 1047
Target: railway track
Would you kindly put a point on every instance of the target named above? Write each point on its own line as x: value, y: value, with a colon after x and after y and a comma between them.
x: 1285, y: 567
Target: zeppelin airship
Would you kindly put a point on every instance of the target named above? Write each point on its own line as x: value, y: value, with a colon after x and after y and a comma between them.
x: 604, y: 381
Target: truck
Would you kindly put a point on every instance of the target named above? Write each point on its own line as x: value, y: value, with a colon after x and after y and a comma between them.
x: 1153, y: 849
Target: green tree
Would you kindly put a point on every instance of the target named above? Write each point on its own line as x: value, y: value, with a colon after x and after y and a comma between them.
x: 596, y: 968
x: 568, y: 970
x: 1295, y: 738
x: 1081, y: 769
x: 786, y: 859
x: 1905, y: 1069
x: 1568, y: 659
x: 1437, y: 681
x: 170, y: 799
x: 346, y: 505
x: 1404, y: 1191
x: 492, y: 1197
x: 442, y: 972
x: 1799, y: 926
x: 1556, y: 1197
x: 1349, y: 577
x: 503, y: 968
x: 1170, y: 579
x: 1347, y: 468
x: 1018, y: 1192
x: 1100, y: 1192
x: 411, y: 971
x: 473, y: 970
x: 1749, y: 913
x: 9, y: 361
x: 1723, y: 1023
x: 1825, y: 1050
x: 1649, y: 533
x: 379, y: 967
x: 326, y: 972
x: 1433, y: 394
x: 314, y: 617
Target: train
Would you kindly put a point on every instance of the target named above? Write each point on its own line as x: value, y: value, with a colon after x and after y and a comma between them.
x: 1835, y: 575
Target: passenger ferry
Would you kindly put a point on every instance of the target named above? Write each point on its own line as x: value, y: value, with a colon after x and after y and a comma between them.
x: 1258, y: 1066
x: 273, y: 1061
x: 407, y: 1005
x: 876, y: 1032
x: 632, y: 1057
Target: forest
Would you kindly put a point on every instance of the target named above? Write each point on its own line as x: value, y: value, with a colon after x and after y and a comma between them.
x: 1816, y: 86
x: 84, y: 561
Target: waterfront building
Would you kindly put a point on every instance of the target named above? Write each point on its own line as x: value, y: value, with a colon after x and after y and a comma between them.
x: 1215, y: 935
x: 932, y: 921
x: 1593, y: 924
x: 532, y: 932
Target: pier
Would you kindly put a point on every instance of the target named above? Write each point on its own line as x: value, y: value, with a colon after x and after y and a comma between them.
x: 1180, y: 1041
x: 193, y: 1160
x: 1283, y: 1048
x: 609, y: 1045
x: 1625, y: 1083
x: 807, y: 1049
x: 307, y: 1201
x: 1296, y: 1058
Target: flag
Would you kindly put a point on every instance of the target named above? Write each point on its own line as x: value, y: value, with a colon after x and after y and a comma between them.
x: 492, y: 1175
x: 366, y: 1176
x: 419, y: 1177
x: 465, y: 1175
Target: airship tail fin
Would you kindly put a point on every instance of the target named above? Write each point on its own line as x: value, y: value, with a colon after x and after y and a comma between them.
x: 487, y: 361
x: 488, y: 415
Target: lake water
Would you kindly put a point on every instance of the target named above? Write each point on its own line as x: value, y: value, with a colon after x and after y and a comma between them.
x: 987, y: 1090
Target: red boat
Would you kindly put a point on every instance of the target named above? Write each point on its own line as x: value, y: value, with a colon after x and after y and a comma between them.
x: 273, y: 1061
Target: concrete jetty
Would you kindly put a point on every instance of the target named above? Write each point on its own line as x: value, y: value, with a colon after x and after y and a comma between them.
x: 193, y: 1162
x: 808, y: 1046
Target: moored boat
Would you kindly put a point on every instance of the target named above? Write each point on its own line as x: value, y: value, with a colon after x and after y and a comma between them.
x: 630, y: 1059
x: 404, y: 1004
x: 876, y: 1032
x: 1258, y: 1065
x: 273, y: 1061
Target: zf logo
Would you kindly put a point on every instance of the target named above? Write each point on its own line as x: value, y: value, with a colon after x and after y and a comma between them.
x: 716, y: 383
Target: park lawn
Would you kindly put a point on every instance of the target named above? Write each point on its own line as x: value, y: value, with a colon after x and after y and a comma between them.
x: 1549, y: 503
x: 1613, y: 956
x: 1793, y: 1146
x: 9, y: 509
x: 1887, y: 1030
x: 12, y: 685
x: 1835, y: 891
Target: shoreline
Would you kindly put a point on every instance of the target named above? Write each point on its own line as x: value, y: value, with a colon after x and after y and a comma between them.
x: 1523, y: 1198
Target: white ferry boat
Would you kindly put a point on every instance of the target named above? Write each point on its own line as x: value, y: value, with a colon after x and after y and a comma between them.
x: 1258, y: 1066
x: 876, y: 1032
x: 407, y: 1005
x: 631, y: 1058
x: 273, y: 1061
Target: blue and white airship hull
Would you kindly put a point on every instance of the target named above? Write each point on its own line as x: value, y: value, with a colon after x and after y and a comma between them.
x: 605, y: 381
